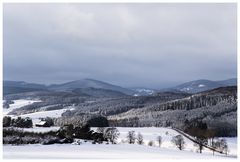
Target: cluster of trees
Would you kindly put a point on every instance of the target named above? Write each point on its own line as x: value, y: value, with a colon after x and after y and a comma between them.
x: 133, y: 138
x: 16, y: 136
x: 221, y: 117
x: 202, y: 134
x: 114, y: 106
x: 17, y: 122
x: 94, y: 120
x: 178, y: 140
x: 109, y: 134
x: 218, y: 108
x: 220, y: 145
x: 65, y: 134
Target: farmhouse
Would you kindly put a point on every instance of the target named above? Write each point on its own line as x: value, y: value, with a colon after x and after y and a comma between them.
x: 42, y: 124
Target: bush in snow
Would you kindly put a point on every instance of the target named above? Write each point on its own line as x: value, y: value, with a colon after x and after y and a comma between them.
x: 139, y: 139
x: 111, y: 134
x: 178, y: 141
x: 131, y: 137
x: 150, y: 143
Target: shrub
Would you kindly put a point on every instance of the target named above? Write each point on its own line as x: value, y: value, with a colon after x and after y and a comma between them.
x: 131, y: 137
x: 150, y: 143
x: 139, y: 139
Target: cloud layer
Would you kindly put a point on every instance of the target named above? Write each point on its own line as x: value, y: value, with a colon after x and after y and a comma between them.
x: 153, y: 45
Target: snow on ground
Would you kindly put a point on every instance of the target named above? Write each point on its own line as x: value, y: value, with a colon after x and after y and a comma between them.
x: 119, y: 151
x: 42, y: 114
x: 17, y: 104
x: 99, y: 151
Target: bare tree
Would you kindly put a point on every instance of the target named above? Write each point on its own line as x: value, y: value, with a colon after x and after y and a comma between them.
x: 131, y: 137
x: 111, y: 134
x: 159, y: 140
x: 140, y: 139
x: 200, y: 143
x: 179, y: 142
x: 221, y: 145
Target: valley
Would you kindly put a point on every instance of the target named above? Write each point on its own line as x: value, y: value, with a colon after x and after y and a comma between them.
x: 151, y: 115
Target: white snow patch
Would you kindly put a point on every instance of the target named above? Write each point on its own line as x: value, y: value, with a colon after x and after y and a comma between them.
x: 201, y: 85
x: 43, y: 114
x: 18, y: 104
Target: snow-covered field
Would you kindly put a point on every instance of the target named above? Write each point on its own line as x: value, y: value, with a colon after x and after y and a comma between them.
x: 122, y: 150
x: 102, y: 151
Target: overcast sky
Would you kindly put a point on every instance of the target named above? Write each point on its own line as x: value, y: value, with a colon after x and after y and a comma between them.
x: 151, y: 45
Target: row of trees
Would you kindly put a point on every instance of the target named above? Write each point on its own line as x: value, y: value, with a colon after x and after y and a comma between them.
x: 18, y: 122
x: 218, y: 144
x: 133, y: 138
x: 179, y: 142
x: 202, y: 134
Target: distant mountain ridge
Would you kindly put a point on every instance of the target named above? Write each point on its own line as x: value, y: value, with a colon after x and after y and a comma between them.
x: 96, y: 87
x: 89, y: 83
x: 202, y: 85
x: 11, y: 87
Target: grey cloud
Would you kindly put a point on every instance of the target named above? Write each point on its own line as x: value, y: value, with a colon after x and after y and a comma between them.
x: 153, y: 45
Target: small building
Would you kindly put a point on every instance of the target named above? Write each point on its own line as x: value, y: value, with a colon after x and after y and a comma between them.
x: 42, y: 124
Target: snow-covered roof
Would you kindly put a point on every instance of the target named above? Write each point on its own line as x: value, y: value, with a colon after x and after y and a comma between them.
x: 41, y: 123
